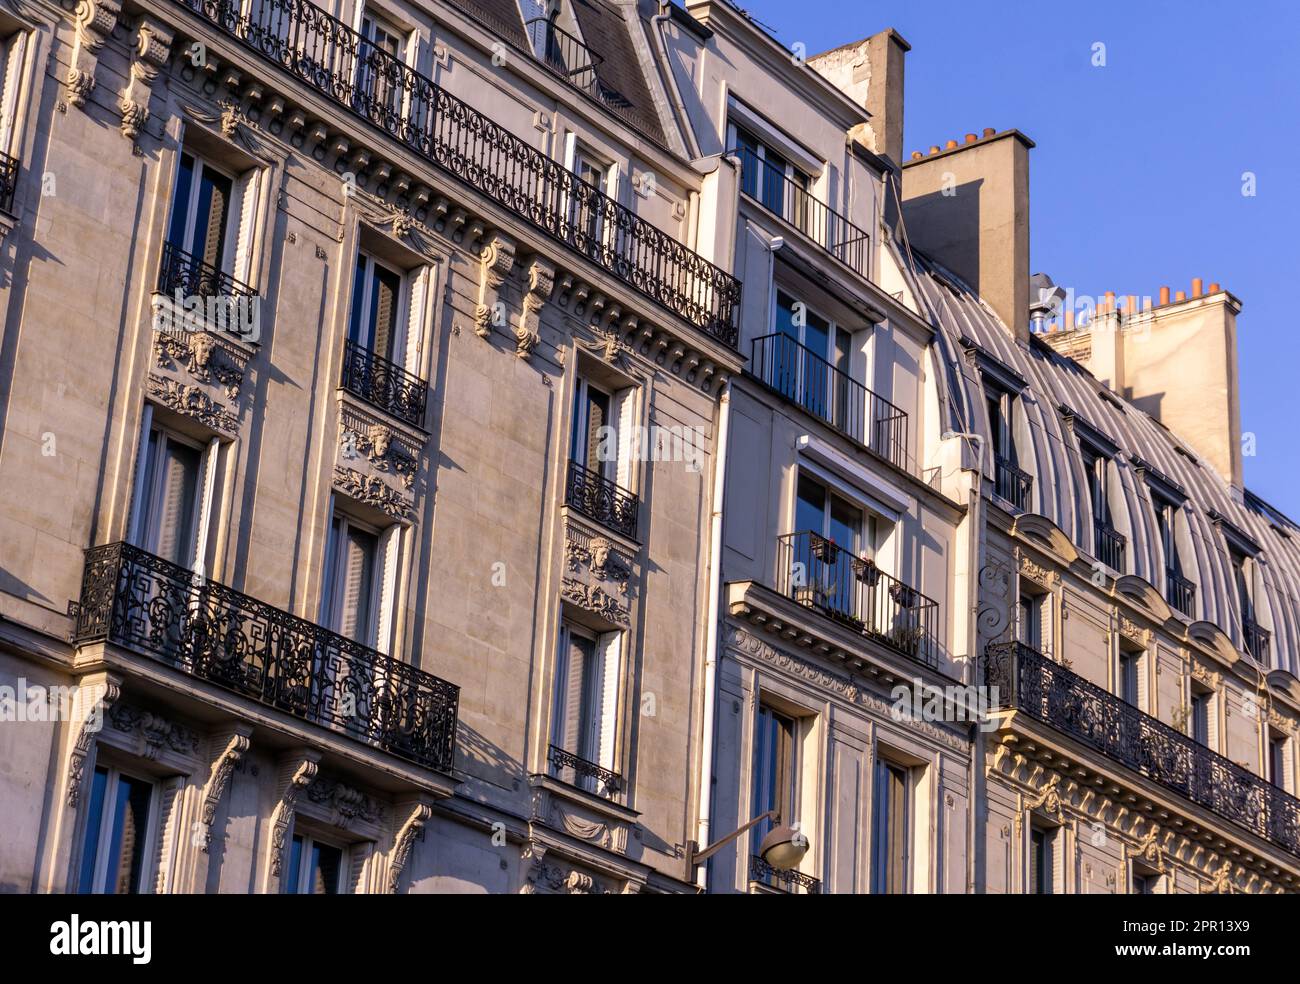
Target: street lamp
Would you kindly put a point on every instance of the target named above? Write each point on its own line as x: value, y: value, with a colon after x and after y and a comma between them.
x: 783, y: 847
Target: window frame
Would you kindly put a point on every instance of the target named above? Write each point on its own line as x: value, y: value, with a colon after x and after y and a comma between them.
x: 335, y: 545
x: 104, y: 835
x: 308, y: 841
x: 147, y: 489
x: 367, y: 329
x: 234, y: 208
x: 884, y: 874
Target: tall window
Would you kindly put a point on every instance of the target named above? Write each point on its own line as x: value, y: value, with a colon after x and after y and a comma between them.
x: 1010, y: 481
x: 378, y: 80
x: 201, y: 223
x: 1277, y: 751
x: 1094, y: 470
x: 1130, y: 676
x: 1166, y: 521
x: 1034, y: 615
x: 315, y: 868
x: 585, y: 705
x: 594, y: 443
x: 822, y: 515
x: 587, y: 210
x: 113, y: 858
x: 168, y: 500
x: 768, y: 177
x: 350, y: 604
x: 812, y: 369
x: 1241, y: 575
x: 13, y: 50
x: 1200, y: 716
x: 1041, y: 875
x: 891, y: 829
x: 376, y: 308
x: 775, y: 771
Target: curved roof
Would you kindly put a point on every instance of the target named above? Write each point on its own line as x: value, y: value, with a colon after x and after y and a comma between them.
x: 1047, y: 449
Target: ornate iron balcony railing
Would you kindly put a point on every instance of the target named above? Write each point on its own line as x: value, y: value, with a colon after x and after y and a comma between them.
x: 1181, y: 592
x: 805, y: 378
x: 8, y: 181
x: 327, y: 55
x: 1033, y: 684
x: 383, y: 384
x: 1110, y: 546
x: 827, y: 228
x: 577, y: 771
x: 786, y: 879
x: 563, y: 53
x: 817, y: 573
x: 204, y: 629
x: 1012, y: 483
x: 184, y: 272
x: 1257, y: 639
x: 599, y: 499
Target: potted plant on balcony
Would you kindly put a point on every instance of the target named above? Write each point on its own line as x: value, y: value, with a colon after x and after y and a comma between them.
x: 866, y: 571
x: 823, y: 549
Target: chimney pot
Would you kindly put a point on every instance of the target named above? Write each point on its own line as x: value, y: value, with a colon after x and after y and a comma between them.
x: 1164, y: 295
x: 951, y: 145
x: 934, y: 149
x: 989, y: 131
x: 1069, y: 319
x: 1214, y: 288
x: 1196, y: 286
x: 971, y: 138
x: 917, y: 155
x: 1180, y: 296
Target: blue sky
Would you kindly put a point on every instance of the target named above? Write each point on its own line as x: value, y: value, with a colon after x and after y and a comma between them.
x: 1137, y: 177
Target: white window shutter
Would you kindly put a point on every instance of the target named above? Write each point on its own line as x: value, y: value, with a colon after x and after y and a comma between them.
x: 247, y: 192
x: 13, y: 52
x: 209, y: 472
x: 628, y: 448
x: 390, y: 545
x: 419, y: 293
x: 140, y: 495
x: 611, y: 652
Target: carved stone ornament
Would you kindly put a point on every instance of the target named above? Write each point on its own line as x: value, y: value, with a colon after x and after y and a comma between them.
x: 384, y: 454
x: 345, y: 803
x: 152, y: 49
x: 155, y: 732
x: 1049, y: 797
x: 95, y: 20
x: 496, y: 261
x: 202, y: 356
x: 304, y: 772
x: 541, y: 282
x: 402, y: 845
x: 100, y: 703
x: 216, y: 786
x: 372, y: 491
x: 192, y: 401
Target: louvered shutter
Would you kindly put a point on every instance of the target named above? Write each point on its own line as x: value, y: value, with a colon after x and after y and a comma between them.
x: 607, y: 684
x: 576, y: 669
x: 356, y: 587
x: 174, y: 525
x: 213, y: 245
x: 625, y: 407
x: 386, y: 288
x: 410, y: 358
x: 389, y: 546
x: 247, y: 194
x: 12, y: 51
x: 597, y: 411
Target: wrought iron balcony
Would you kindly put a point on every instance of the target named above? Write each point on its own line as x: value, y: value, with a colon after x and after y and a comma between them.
x: 817, y: 573
x: 787, y: 879
x: 1257, y: 639
x: 599, y: 499
x: 827, y: 228
x: 1110, y: 546
x: 577, y: 771
x: 1033, y: 684
x: 201, y: 628
x: 299, y: 38
x: 805, y: 378
x: 186, y: 273
x: 1012, y: 483
x: 383, y: 384
x: 8, y: 181
x: 1181, y: 592
x: 563, y: 54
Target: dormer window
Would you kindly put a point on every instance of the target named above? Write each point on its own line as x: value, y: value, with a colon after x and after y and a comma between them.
x: 1108, y: 542
x: 1011, y: 482
x: 1180, y: 592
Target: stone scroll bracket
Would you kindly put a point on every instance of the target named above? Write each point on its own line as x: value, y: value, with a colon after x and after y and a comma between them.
x: 153, y: 42
x: 541, y: 283
x: 496, y: 261
x: 95, y: 20
x: 414, y: 814
x: 297, y: 771
x: 193, y: 838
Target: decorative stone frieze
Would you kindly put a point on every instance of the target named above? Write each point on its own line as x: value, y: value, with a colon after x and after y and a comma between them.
x: 370, y: 490
x: 568, y: 815
x: 385, y: 457
x: 204, y: 358
x: 346, y: 805
x: 192, y: 400
x: 155, y: 733
x: 598, y: 576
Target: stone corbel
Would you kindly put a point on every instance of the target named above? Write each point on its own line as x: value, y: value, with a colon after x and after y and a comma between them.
x: 297, y: 772
x: 94, y: 698
x: 225, y: 763
x: 420, y: 813
x: 541, y: 281
x: 495, y: 261
x: 153, y: 45
x: 95, y: 20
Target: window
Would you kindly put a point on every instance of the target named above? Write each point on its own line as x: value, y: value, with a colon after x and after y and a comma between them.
x: 812, y: 369
x: 379, y: 82
x: 377, y: 301
x: 769, y: 178
x: 585, y: 707
x: 1146, y: 881
x: 586, y: 211
x: 13, y: 51
x: 1200, y: 716
x: 350, y: 602
x: 1109, y: 542
x: 891, y: 829
x: 117, y: 834
x: 1010, y: 481
x: 1180, y: 591
x: 1130, y: 677
x: 594, y: 443
x: 1277, y: 752
x: 1034, y: 621
x: 1241, y: 575
x: 201, y: 224
x: 314, y: 868
x: 1041, y: 874
x: 828, y: 575
x: 775, y: 771
x: 173, y: 495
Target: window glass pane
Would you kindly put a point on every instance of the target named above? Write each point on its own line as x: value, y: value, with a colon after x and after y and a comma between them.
x: 181, y: 203
x: 774, y: 772
x: 356, y: 585
x: 750, y: 166
x: 846, y: 524
x: 126, y: 844
x: 326, y: 866
x: 890, y: 829
x: 210, y: 218
x: 172, y: 473
x: 294, y: 875
x: 94, y: 826
x: 810, y: 505
x: 774, y: 182
x: 358, y: 327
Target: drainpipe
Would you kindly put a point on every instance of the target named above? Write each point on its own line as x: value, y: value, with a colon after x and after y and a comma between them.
x: 711, y: 641
x: 684, y: 119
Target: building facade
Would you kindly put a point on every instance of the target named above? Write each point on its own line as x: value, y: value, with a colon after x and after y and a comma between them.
x: 498, y: 446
